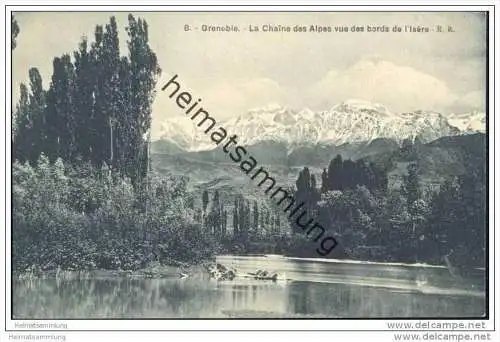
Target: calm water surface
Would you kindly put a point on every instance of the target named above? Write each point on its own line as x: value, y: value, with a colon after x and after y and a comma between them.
x: 313, y: 288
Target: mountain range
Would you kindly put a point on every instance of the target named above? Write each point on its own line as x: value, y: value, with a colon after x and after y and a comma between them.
x: 285, y: 141
x: 350, y: 122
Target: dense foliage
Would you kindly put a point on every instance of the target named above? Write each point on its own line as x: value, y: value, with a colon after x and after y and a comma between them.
x: 409, y: 224
x: 80, y: 217
x: 83, y: 196
x: 98, y: 105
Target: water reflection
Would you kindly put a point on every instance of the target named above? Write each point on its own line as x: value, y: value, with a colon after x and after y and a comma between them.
x: 317, y: 290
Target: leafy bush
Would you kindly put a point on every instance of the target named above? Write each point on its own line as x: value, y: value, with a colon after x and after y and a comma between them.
x: 80, y: 217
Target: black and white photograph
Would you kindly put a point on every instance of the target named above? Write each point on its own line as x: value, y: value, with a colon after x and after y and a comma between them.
x: 249, y: 165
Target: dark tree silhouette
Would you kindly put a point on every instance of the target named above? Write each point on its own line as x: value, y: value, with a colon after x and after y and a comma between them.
x: 14, y: 32
x: 411, y: 186
x: 204, y: 200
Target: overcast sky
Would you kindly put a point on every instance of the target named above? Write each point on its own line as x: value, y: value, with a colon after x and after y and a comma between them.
x: 233, y: 72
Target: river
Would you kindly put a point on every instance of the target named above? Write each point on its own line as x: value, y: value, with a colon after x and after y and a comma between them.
x: 312, y: 288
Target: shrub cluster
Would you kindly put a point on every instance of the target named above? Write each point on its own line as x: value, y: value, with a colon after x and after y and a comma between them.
x: 80, y: 217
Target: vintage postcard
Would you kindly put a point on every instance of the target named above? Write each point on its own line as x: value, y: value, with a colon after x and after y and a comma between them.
x: 250, y: 164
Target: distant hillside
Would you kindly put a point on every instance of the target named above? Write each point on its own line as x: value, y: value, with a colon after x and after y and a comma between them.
x: 318, y: 154
x: 438, y: 160
x: 165, y: 147
x: 278, y: 153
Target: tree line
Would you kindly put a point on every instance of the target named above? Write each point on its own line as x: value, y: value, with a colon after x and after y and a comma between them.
x: 411, y: 223
x: 248, y: 221
x: 98, y: 104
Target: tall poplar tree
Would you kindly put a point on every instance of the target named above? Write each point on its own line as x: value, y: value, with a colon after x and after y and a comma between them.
x: 60, y: 120
x: 23, y: 126
x: 242, y: 218
x: 216, y: 214
x: 100, y: 123
x: 144, y: 72
x: 224, y: 223
x: 29, y: 120
x: 110, y: 55
x: 83, y: 100
x: 411, y: 186
x: 255, y: 216
x: 36, y: 109
x: 236, y: 219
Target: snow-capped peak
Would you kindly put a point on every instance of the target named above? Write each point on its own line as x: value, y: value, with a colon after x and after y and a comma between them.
x: 358, y: 105
x: 469, y: 122
x: 350, y: 121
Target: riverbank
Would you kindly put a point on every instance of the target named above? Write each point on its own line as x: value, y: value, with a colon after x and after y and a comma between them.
x: 313, y: 289
x: 173, y: 269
